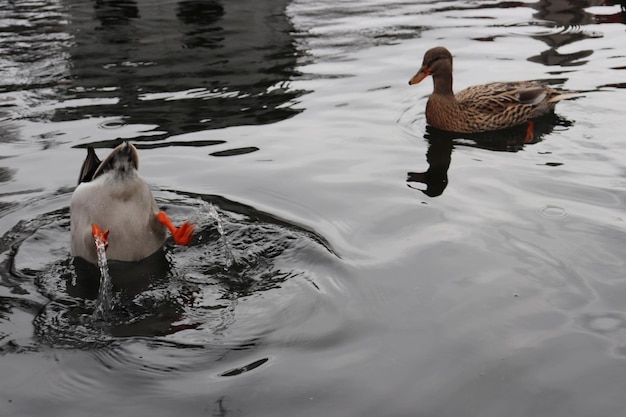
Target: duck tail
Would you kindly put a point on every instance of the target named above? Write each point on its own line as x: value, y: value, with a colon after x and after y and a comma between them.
x: 564, y: 96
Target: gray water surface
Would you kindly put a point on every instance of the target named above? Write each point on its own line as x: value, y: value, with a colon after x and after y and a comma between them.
x: 381, y: 268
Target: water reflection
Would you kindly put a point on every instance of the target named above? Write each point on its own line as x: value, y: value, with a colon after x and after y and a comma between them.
x: 438, y: 157
x: 619, y: 17
x: 565, y: 13
x: 115, y: 12
x: 441, y: 144
x: 33, y: 61
x: 183, y: 66
x: 568, y: 16
x: 202, y: 18
x: 565, y: 19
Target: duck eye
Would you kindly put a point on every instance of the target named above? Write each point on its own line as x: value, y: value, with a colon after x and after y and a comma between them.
x: 435, y: 59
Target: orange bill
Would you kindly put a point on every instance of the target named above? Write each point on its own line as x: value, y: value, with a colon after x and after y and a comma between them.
x: 421, y: 74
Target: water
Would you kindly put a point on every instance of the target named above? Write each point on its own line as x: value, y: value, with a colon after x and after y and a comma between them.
x: 102, y: 310
x: 230, y: 259
x: 382, y: 269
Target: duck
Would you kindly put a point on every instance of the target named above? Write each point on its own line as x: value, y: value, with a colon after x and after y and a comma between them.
x: 113, y: 205
x: 485, y: 107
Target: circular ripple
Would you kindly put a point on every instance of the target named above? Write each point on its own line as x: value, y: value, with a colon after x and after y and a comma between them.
x: 552, y: 211
x: 603, y: 323
x: 112, y: 124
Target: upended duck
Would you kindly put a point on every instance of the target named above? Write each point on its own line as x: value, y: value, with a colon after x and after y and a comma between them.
x: 485, y: 107
x: 112, y: 202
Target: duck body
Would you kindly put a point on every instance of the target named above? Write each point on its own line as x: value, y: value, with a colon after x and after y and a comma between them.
x: 113, y: 195
x: 481, y: 108
x: 488, y: 107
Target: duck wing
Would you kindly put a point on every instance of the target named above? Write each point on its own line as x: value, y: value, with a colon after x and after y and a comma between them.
x: 90, y: 165
x: 495, y: 98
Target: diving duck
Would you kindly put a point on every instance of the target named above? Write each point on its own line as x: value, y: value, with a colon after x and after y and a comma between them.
x: 113, y: 203
x: 482, y: 108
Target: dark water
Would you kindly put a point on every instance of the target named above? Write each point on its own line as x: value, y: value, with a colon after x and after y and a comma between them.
x: 382, y: 268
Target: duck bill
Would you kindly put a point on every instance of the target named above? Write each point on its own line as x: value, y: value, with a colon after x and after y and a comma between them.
x: 421, y: 74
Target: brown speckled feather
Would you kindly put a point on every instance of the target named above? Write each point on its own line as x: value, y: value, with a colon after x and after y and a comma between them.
x: 481, y: 108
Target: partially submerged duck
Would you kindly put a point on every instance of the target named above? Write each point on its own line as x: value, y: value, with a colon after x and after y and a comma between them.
x: 485, y: 107
x: 113, y: 202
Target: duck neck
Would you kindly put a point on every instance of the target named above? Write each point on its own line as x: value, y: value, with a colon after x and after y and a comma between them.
x: 443, y: 84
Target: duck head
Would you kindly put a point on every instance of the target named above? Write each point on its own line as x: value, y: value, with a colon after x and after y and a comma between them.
x: 437, y: 62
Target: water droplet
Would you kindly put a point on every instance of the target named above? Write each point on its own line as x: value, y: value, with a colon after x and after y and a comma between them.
x: 230, y: 259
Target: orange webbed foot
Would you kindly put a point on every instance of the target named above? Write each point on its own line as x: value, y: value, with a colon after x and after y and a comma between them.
x: 530, y: 136
x: 99, y: 236
x: 182, y: 235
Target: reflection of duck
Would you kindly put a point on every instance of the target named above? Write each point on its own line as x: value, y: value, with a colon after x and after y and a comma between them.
x: 482, y: 108
x: 113, y: 195
x: 438, y: 157
x: 441, y: 144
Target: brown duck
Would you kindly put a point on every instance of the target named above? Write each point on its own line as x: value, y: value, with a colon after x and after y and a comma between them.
x: 485, y: 107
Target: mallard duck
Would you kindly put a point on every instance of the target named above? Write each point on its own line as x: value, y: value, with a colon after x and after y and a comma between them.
x: 112, y: 202
x: 485, y: 107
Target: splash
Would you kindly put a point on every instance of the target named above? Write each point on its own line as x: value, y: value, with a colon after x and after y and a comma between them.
x: 230, y: 259
x: 103, y: 304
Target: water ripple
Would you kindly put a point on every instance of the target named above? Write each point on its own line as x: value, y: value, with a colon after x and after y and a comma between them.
x: 187, y: 296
